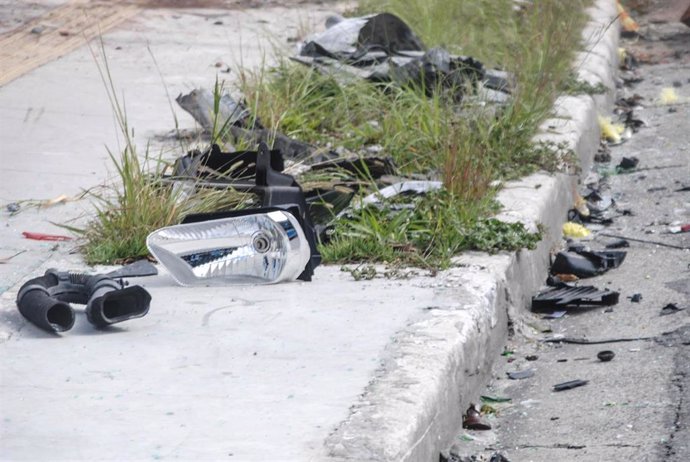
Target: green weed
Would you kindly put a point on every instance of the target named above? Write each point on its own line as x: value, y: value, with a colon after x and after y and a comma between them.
x: 467, y: 148
x: 141, y: 200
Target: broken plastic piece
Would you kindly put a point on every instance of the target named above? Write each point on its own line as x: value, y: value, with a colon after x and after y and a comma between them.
x: 569, y: 385
x: 628, y: 163
x: 584, y: 264
x: 472, y: 420
x: 519, y: 375
x: 571, y: 229
x: 618, y: 244
x: 629, y: 25
x: 606, y: 355
x: 635, y: 298
x: 405, y: 187
x: 668, y: 95
x: 45, y: 237
x: 679, y: 229
x: 671, y: 308
x: 572, y: 297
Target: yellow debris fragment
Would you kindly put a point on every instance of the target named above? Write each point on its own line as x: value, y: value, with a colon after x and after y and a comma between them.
x: 622, y: 54
x: 668, y: 96
x: 610, y: 131
x: 581, y: 206
x: 628, y: 23
x: 571, y: 229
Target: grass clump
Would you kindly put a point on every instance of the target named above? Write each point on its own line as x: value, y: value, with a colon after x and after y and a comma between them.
x: 141, y: 200
x: 467, y: 149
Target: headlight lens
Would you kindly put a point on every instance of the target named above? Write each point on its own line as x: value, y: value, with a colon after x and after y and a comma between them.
x: 261, y: 248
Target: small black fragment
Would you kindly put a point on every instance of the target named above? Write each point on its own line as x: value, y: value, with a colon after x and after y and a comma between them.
x: 628, y: 163
x: 618, y: 244
x: 569, y: 385
x: 518, y: 375
x: 636, y: 298
x: 671, y: 308
x: 606, y: 355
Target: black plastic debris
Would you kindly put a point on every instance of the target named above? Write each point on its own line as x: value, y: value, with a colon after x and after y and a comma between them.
x: 670, y: 308
x: 200, y: 104
x: 567, y: 297
x: 45, y: 300
x: 635, y: 298
x: 606, y: 355
x: 585, y: 263
x: 628, y: 163
x: 569, y: 385
x: 618, y: 244
x: 519, y: 375
x: 383, y: 48
x: 498, y: 457
x: 222, y: 167
x: 472, y: 420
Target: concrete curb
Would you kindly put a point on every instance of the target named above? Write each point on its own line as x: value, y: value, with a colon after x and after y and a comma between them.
x: 412, y: 408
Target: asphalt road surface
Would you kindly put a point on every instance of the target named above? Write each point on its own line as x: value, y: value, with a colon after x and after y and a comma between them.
x: 637, y: 406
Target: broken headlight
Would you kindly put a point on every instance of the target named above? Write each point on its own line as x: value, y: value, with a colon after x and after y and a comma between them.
x: 265, y: 247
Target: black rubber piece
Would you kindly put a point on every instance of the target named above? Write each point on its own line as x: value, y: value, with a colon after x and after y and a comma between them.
x: 569, y: 385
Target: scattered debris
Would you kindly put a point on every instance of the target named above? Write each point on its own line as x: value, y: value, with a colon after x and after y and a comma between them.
x: 486, y: 410
x: 61, y: 199
x: 531, y: 357
x: 585, y: 263
x: 402, y: 188
x: 668, y: 96
x: 670, y: 308
x: 472, y: 420
x: 613, y: 133
x: 13, y: 207
x: 618, y: 244
x: 627, y: 163
x: 571, y: 229
x: 606, y: 355
x: 627, y: 23
x: 635, y: 298
x: 519, y: 375
x: 567, y: 297
x: 676, y: 229
x: 382, y: 48
x: 569, y: 385
x: 45, y: 237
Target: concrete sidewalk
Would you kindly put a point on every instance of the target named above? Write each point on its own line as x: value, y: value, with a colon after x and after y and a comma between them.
x: 328, y: 370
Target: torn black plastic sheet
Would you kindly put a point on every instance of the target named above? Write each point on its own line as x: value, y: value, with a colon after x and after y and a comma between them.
x: 570, y: 385
x: 382, y: 48
x: 567, y: 297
